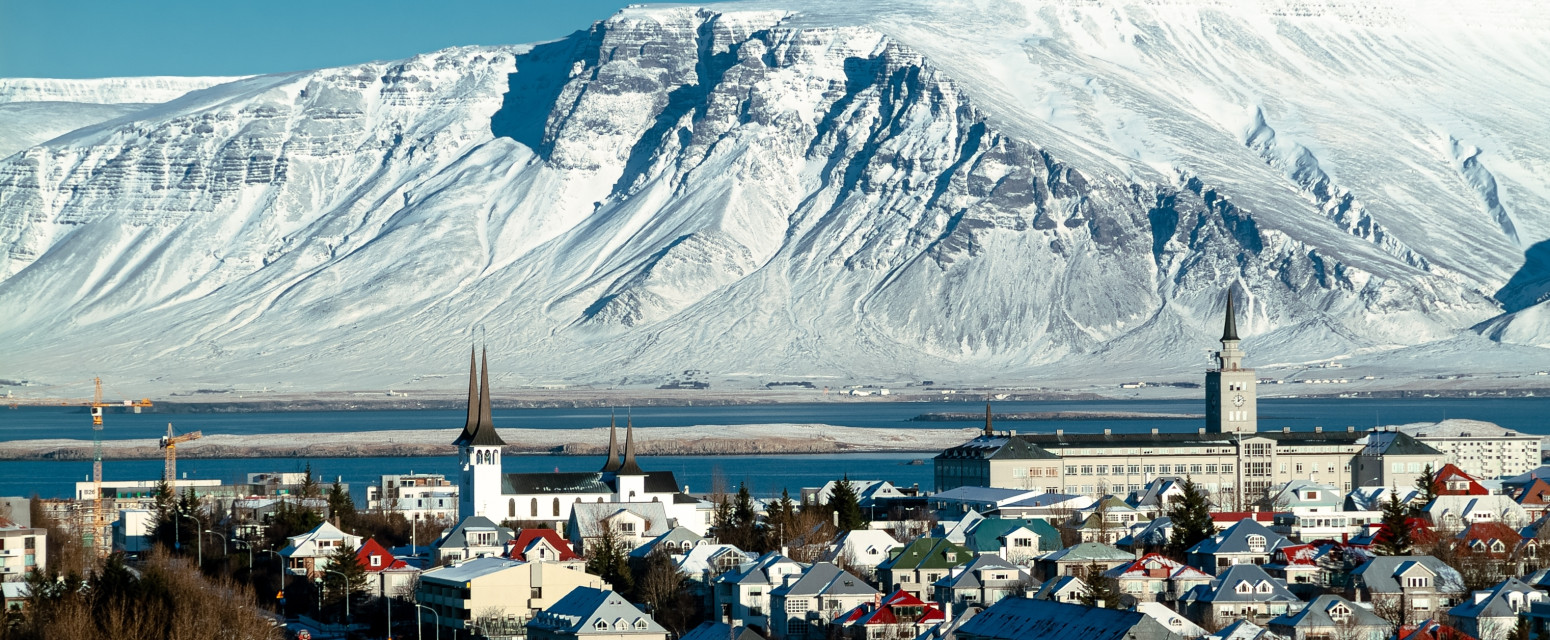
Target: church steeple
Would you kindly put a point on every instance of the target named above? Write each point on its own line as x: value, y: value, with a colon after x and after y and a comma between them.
x: 613, y: 463
x: 629, y: 467
x: 1231, y: 406
x: 988, y: 431
x: 479, y: 430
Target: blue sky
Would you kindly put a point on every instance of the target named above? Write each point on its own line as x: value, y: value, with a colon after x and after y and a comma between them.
x: 101, y: 38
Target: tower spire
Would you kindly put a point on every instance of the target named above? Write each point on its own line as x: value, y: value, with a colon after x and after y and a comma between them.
x: 479, y: 430
x: 988, y: 431
x: 629, y: 467
x: 1230, y: 326
x: 613, y: 445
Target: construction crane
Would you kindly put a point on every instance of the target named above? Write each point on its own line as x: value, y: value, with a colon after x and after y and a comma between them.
x: 99, y: 529
x: 170, y: 443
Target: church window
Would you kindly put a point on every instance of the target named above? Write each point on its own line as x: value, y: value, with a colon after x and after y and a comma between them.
x: 511, y: 509
x: 534, y: 508
x: 556, y: 507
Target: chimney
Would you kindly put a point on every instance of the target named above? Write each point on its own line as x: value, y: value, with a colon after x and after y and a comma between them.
x: 1013, y: 432
x: 1201, y: 431
x: 1060, y: 432
x: 1350, y: 429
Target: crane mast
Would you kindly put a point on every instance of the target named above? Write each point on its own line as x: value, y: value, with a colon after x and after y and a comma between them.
x: 100, y: 536
x: 170, y: 443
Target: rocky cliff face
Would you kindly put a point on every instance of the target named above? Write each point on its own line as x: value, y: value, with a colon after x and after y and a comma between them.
x: 915, y: 192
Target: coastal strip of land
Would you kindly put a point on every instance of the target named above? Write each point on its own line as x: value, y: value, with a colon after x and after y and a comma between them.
x: 664, y: 441
x: 1028, y: 416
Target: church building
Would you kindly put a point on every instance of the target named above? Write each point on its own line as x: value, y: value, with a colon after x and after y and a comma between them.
x: 1235, y: 461
x: 486, y: 490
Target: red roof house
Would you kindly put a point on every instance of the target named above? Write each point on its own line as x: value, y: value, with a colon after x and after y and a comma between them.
x: 1536, y: 498
x: 534, y: 545
x: 374, y: 557
x: 1431, y: 630
x: 899, y: 609
x: 1494, y: 539
x: 1452, y: 481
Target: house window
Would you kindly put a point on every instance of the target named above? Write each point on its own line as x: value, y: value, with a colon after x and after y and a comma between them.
x: 556, y: 507
x: 1243, y: 587
x: 796, y: 627
x: 512, y: 508
x: 1022, y: 542
x: 627, y: 527
x: 1416, y: 582
x: 376, y: 561
x: 1257, y: 543
x: 600, y: 625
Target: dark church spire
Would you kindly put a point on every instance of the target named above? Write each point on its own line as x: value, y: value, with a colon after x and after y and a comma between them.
x: 629, y: 467
x: 988, y: 431
x: 1230, y: 327
x: 613, y: 446
x: 479, y: 430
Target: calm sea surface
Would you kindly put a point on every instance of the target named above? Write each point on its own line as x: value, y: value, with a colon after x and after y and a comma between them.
x: 764, y: 474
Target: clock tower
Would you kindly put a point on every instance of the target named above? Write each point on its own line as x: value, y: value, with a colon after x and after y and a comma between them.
x: 1230, y: 402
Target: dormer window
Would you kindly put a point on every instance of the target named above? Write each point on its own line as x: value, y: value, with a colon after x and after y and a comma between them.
x: 952, y: 556
x: 640, y: 623
x: 376, y: 561
x: 1264, y: 587
x: 600, y: 625
x: 1339, y: 612
x: 1244, y: 587
x: 1417, y: 582
x: 1257, y: 543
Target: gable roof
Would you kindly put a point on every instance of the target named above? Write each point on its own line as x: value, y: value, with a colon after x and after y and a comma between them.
x: 1504, y: 600
x: 1242, y: 630
x: 886, y: 612
x: 1156, y: 566
x: 927, y: 553
x: 1319, y: 613
x: 1451, y: 474
x: 1535, y: 494
x: 767, y: 569
x: 1431, y: 630
x: 1236, y: 540
x: 996, y: 448
x: 581, y: 610
x: 1088, y: 551
x: 976, y: 574
x: 822, y: 579
x: 709, y: 630
x: 306, y: 544
x: 1025, y: 619
x: 985, y: 535
x: 1396, y: 443
x: 1262, y: 587
x: 680, y: 536
x: 371, y: 548
x: 458, y: 536
x: 585, y: 517
x: 529, y: 537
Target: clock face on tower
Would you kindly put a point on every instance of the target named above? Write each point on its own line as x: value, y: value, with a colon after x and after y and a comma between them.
x: 1237, y: 400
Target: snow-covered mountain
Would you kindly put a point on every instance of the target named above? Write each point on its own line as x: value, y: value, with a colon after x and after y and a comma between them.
x: 1047, y: 190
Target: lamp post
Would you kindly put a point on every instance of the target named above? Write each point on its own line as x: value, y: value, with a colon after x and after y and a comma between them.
x: 346, y: 582
x: 419, y: 626
x: 250, y: 556
x: 200, y: 538
x: 225, y: 546
x: 279, y: 571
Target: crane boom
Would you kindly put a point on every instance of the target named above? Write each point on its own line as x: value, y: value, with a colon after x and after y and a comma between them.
x: 99, y: 513
x: 170, y: 443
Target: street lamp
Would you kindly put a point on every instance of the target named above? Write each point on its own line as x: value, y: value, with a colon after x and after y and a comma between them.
x: 419, y: 627
x: 250, y: 556
x: 346, y: 582
x: 201, y: 539
x: 225, y: 546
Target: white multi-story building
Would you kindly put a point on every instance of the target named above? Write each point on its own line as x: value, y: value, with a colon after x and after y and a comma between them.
x: 1480, y: 449
x: 23, y: 550
x: 419, y: 496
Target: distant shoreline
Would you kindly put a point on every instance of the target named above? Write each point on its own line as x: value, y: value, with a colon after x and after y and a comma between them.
x: 1031, y: 416
x: 705, y: 440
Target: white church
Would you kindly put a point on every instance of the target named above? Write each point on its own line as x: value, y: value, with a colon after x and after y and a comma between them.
x: 486, y: 491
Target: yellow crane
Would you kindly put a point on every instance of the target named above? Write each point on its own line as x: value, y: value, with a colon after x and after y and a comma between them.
x: 99, y: 528
x: 170, y: 442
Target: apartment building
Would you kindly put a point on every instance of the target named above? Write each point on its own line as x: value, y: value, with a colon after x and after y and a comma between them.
x: 23, y: 550
x: 418, y: 496
x: 1480, y: 449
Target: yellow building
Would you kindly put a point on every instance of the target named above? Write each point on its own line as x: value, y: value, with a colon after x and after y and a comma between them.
x: 498, y: 596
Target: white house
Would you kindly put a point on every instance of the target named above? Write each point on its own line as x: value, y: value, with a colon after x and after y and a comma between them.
x: 307, y: 554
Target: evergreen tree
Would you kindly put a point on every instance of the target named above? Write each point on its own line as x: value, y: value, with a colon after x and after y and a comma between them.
x: 162, y: 514
x: 723, y: 523
x: 1102, y: 591
x: 341, y: 505
x: 781, y: 521
x: 1190, y: 514
x: 335, y: 588
x: 1426, y: 487
x: 845, y: 502
x: 745, y: 520
x: 309, y: 484
x: 608, y: 557
x: 1395, y: 539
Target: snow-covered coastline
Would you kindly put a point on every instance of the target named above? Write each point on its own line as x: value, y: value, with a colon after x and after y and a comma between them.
x: 694, y: 440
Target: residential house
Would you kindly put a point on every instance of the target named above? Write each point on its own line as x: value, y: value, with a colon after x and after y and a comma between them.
x: 308, y: 554
x: 983, y: 581
x: 1075, y: 560
x: 1492, y: 614
x: 1373, y: 498
x: 23, y: 550
x: 862, y: 549
x: 594, y: 614
x: 386, y: 575
x: 1309, y: 568
x: 676, y: 541
x: 1416, y: 587
x: 1224, y: 520
x: 1498, y: 541
x: 1157, y: 578
x: 1242, y: 630
x: 958, y: 501
x: 1106, y: 520
x: 1452, y: 513
x: 916, y: 567
x: 1156, y: 494
x: 721, y: 631
x: 1535, y: 499
x: 633, y: 523
x: 1239, y: 591
x: 1331, y: 616
x: 1247, y: 542
x: 498, y: 596
x: 543, y: 545
x: 1025, y: 619
x: 705, y: 562
x: 473, y: 537
x: 1307, y: 496
x: 803, y: 605
x: 900, y: 615
x: 1170, y: 619
x: 743, y: 596
x: 1452, y: 481
x: 1062, y: 589
x: 1431, y: 630
x: 1018, y: 540
x: 1153, y: 536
